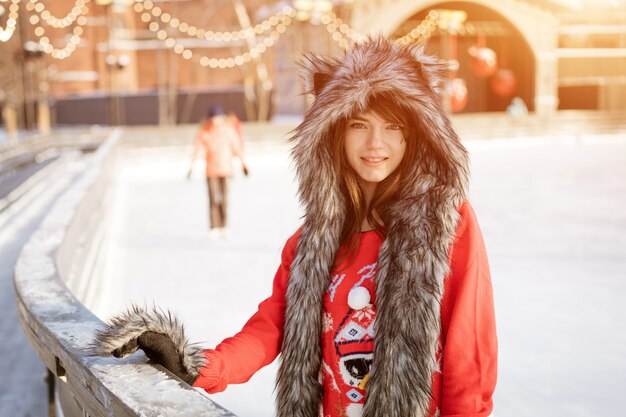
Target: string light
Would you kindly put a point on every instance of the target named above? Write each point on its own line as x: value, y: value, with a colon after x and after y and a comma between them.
x: 77, y: 31
x: 335, y: 25
x: 341, y: 32
x: 277, y: 24
x: 77, y: 10
x: 422, y: 32
x: 7, y: 32
x: 230, y: 62
x: 149, y: 10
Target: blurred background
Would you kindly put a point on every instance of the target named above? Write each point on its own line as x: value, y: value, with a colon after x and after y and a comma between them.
x: 116, y: 62
x: 536, y: 91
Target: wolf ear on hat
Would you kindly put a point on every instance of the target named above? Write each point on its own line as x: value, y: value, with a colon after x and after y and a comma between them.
x: 432, y: 69
x: 317, y: 72
x: 320, y: 80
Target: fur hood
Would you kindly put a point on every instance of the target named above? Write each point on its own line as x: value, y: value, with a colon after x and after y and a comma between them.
x: 413, y: 260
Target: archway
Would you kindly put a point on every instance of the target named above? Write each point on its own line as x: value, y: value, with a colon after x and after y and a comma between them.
x: 485, y: 28
x: 533, y: 31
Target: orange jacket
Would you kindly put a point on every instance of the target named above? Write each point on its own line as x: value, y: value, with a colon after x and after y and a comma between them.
x: 220, y: 143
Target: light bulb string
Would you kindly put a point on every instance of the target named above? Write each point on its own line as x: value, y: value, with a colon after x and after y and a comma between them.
x: 423, y: 31
x: 230, y: 62
x: 80, y: 8
x: 7, y: 32
x: 147, y: 8
x: 71, y: 45
x: 340, y: 32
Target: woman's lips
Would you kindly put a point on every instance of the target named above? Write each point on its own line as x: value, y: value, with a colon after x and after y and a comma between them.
x: 373, y: 161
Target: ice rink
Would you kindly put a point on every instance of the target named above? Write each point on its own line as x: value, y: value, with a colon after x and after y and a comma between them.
x: 552, y: 210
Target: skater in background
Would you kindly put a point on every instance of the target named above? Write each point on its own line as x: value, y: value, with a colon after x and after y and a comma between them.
x: 382, y: 305
x: 219, y: 140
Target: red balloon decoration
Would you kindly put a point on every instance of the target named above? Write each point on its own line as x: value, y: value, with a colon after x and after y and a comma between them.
x: 483, y: 61
x: 457, y: 90
x: 504, y: 83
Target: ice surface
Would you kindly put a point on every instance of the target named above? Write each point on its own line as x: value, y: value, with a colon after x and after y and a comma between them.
x: 551, y: 209
x: 553, y: 217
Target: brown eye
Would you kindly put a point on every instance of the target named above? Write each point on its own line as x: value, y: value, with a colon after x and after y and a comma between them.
x: 357, y: 125
x: 394, y: 127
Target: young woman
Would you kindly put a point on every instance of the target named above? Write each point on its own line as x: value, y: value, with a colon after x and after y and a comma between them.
x: 382, y: 304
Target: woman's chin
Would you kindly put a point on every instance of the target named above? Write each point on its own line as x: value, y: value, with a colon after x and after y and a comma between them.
x: 371, y: 180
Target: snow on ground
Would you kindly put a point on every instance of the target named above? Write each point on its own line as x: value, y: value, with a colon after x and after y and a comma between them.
x: 553, y: 214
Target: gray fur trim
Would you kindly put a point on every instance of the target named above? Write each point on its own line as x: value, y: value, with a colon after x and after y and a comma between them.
x: 413, y: 260
x: 123, y: 329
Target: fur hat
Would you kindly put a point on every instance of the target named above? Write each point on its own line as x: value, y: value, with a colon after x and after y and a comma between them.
x: 413, y: 259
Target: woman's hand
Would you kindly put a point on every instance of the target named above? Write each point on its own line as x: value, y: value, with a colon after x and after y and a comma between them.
x: 160, y: 349
x: 159, y: 334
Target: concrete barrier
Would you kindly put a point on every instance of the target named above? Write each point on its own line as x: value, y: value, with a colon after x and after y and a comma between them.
x: 54, y: 277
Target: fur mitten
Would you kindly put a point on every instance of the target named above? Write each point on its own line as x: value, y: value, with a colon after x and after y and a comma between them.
x: 159, y: 334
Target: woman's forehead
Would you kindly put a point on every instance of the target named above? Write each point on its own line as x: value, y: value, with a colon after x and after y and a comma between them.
x: 373, y: 115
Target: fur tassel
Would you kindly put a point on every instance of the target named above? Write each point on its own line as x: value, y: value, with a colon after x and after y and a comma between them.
x: 119, y: 336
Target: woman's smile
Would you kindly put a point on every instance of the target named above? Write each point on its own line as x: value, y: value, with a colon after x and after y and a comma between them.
x: 374, y: 161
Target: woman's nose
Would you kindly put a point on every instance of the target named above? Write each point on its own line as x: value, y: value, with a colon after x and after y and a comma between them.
x: 375, y: 139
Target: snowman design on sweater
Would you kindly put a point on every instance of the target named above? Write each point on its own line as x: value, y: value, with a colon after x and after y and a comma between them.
x: 348, y: 336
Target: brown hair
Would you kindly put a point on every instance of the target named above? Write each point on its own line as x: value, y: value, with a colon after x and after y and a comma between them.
x: 377, y: 214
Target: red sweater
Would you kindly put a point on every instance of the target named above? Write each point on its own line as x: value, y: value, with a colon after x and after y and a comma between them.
x: 468, y: 354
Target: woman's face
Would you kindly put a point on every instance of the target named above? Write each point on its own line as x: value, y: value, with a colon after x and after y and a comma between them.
x: 374, y: 147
